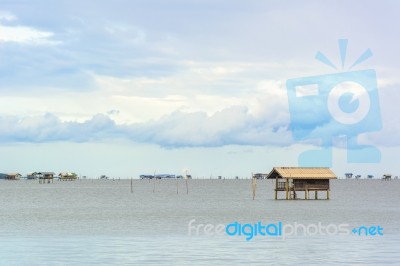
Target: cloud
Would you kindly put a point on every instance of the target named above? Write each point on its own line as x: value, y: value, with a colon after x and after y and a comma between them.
x: 49, y: 128
x: 263, y: 122
x: 23, y: 34
x: 7, y: 16
x: 201, y: 82
x: 234, y: 125
x: 388, y: 136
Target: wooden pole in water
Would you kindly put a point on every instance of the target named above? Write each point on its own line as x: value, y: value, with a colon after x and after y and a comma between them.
x: 177, y: 187
x: 294, y: 190
x: 254, y: 185
x: 287, y: 188
x: 187, y: 187
x: 154, y: 185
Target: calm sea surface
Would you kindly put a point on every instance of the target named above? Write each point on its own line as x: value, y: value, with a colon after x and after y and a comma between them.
x: 100, y: 222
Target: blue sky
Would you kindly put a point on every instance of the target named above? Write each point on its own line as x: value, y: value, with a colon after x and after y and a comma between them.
x: 129, y: 87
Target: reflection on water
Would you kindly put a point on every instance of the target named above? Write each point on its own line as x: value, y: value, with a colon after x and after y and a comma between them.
x: 102, y: 222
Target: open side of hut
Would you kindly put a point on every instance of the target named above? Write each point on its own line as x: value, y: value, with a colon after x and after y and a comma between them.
x: 296, y: 179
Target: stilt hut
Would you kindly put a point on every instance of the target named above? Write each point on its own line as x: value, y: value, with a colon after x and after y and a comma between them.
x: 67, y: 176
x: 348, y: 175
x: 299, y: 179
x: 32, y: 175
x: 260, y: 176
x: 43, y: 176
x: 13, y: 176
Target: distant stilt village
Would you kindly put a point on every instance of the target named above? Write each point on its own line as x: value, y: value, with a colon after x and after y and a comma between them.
x: 71, y: 176
x: 41, y: 176
x: 166, y: 176
x: 294, y: 182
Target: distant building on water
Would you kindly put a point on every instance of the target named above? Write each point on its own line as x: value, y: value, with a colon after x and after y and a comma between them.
x: 67, y: 176
x: 296, y: 179
x: 10, y: 176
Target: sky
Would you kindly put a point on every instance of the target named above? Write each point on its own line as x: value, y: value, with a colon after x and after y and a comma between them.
x: 125, y: 88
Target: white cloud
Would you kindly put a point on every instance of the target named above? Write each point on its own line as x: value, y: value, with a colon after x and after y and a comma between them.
x: 23, y: 34
x: 48, y: 128
x: 7, y: 16
x: 26, y: 35
x: 234, y: 125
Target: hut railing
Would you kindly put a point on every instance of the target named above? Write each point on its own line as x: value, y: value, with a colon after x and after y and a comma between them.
x: 281, y: 185
x: 311, y: 186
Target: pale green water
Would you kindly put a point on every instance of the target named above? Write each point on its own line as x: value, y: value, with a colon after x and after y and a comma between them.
x: 101, y: 222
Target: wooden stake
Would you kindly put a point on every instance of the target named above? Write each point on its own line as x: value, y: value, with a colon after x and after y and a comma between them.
x: 131, y: 185
x: 187, y: 187
x: 287, y: 188
x: 177, y: 187
x: 254, y: 185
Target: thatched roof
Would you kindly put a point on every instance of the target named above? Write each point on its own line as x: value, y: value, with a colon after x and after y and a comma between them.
x: 14, y: 174
x: 301, y: 173
x: 66, y: 174
x: 46, y: 173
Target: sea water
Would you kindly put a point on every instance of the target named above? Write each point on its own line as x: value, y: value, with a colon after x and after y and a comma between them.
x: 110, y: 222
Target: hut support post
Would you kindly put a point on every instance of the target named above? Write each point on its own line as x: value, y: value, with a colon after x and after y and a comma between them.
x: 327, y: 194
x: 287, y: 188
x: 316, y: 194
x: 276, y: 187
